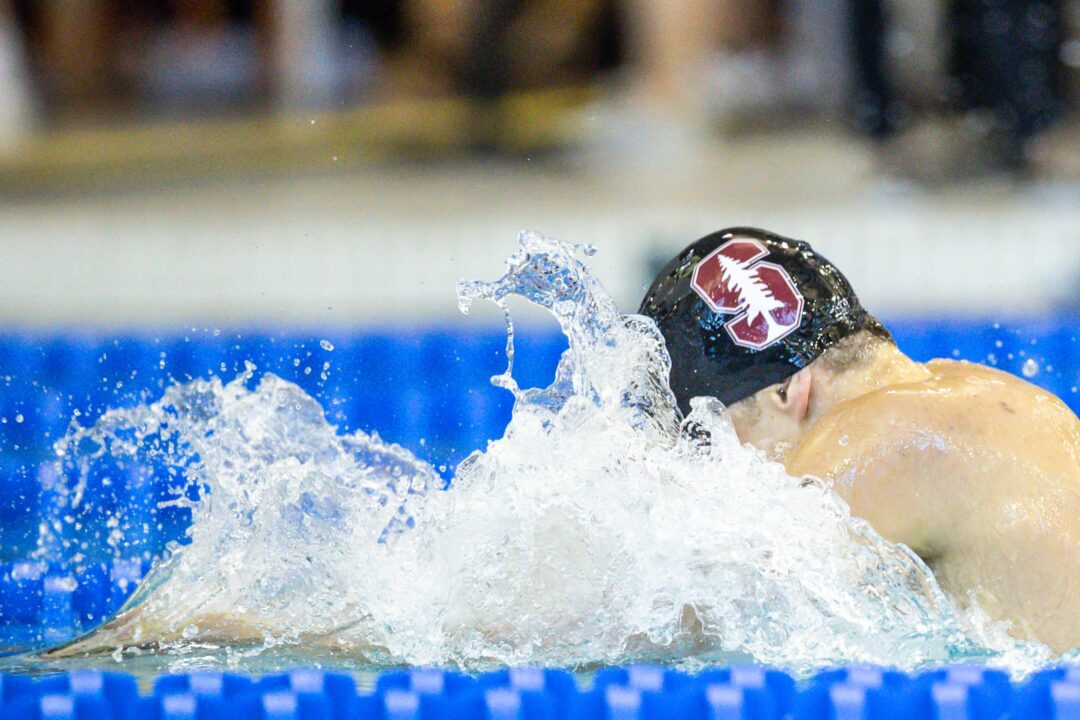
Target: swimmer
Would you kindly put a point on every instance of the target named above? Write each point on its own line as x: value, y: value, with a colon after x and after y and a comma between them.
x: 974, y: 469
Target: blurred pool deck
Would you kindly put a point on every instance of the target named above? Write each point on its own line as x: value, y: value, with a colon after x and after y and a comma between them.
x: 333, y: 221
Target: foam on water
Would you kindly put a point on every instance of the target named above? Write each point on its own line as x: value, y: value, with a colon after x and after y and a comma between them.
x: 599, y: 529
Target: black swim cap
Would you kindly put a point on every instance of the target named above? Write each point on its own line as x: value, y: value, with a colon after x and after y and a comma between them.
x: 743, y: 309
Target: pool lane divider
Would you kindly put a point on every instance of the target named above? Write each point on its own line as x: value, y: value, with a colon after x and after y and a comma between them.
x: 963, y: 692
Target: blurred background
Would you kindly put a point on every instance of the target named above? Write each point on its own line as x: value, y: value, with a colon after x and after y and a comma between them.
x: 189, y: 184
x: 344, y: 162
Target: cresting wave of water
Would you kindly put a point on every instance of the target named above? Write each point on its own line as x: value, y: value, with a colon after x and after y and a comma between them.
x: 599, y: 529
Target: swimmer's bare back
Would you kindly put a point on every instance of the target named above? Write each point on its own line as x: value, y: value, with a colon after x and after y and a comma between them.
x: 979, y: 473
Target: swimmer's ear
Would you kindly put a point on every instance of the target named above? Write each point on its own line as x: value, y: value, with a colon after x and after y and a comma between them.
x: 792, y: 397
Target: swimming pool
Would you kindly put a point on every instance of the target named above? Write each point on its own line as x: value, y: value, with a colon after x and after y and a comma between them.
x: 426, y: 389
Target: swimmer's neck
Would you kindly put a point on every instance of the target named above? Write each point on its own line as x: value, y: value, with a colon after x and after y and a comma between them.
x: 887, y: 366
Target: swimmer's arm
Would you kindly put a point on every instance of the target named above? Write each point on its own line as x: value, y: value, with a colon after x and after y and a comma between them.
x: 890, y: 477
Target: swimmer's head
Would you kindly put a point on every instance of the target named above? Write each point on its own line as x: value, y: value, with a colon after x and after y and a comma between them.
x: 743, y: 310
x: 775, y: 418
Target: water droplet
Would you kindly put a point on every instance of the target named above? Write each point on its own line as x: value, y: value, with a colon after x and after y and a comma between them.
x: 1030, y: 368
x: 326, y: 345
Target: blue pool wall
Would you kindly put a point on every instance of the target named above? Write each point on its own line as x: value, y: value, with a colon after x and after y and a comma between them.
x: 616, y: 693
x: 426, y: 389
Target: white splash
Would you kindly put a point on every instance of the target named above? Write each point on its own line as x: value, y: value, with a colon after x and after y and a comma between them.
x: 599, y: 529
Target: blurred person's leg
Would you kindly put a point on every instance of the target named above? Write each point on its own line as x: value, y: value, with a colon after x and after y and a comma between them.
x: 548, y: 42
x: 744, y: 67
x: 1055, y: 152
x: 375, y: 31
x: 1007, y: 68
x: 76, y: 40
x: 194, y: 56
x: 428, y: 59
x: 488, y: 47
x: 671, y: 43
x: 486, y: 72
x: 816, y: 56
x: 873, y: 95
x: 783, y: 60
x: 525, y: 45
x: 655, y: 117
x: 304, y: 46
x: 16, y: 99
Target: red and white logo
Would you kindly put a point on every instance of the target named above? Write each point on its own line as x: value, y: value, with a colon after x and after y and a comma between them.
x: 765, y: 302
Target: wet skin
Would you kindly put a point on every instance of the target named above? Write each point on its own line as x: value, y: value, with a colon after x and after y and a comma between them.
x: 979, y: 473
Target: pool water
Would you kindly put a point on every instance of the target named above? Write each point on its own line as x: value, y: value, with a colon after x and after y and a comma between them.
x: 579, y: 538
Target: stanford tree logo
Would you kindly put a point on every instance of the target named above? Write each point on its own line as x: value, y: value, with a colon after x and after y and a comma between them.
x: 762, y: 296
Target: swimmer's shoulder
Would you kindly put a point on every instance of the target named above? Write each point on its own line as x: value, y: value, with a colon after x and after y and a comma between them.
x: 956, y: 392
x: 901, y: 455
x: 967, y: 406
x: 973, y: 388
x: 885, y: 453
x: 963, y: 422
x: 894, y: 412
x: 876, y: 432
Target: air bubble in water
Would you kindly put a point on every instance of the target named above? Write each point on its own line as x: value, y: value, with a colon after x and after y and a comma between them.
x: 1030, y: 368
x: 326, y: 345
